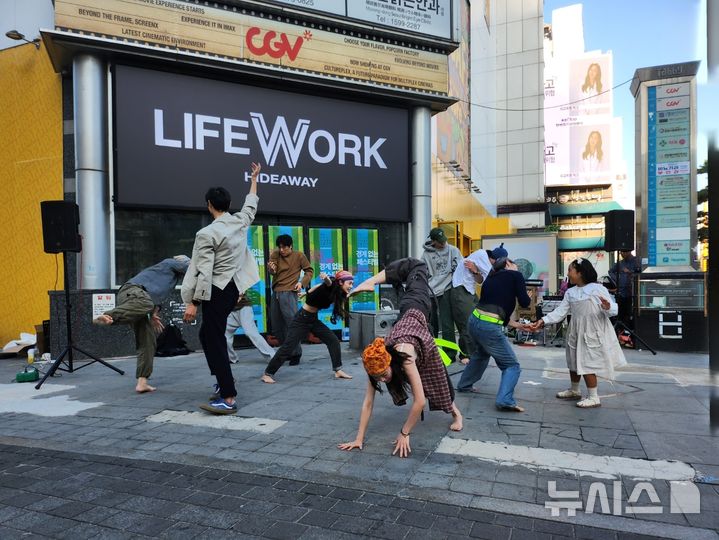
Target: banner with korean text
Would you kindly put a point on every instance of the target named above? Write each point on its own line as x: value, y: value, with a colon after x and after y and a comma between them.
x: 363, y: 255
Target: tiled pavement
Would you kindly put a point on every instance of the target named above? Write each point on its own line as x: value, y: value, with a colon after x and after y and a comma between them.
x: 658, y: 409
x: 77, y: 496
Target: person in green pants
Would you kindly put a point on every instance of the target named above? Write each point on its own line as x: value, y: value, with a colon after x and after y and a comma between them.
x: 138, y: 304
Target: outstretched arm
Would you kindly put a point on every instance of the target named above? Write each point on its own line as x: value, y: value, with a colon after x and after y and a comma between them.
x: 256, y: 168
x: 368, y: 284
x: 365, y: 416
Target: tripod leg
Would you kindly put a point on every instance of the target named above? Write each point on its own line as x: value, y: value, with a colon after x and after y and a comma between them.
x: 96, y: 359
x: 53, y: 368
x: 620, y: 325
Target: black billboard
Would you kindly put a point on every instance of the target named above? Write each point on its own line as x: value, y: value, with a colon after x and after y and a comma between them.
x: 177, y: 135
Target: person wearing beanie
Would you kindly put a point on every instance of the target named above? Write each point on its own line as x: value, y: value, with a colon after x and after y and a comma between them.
x: 329, y: 292
x: 501, y: 291
x: 408, y: 360
x: 442, y: 260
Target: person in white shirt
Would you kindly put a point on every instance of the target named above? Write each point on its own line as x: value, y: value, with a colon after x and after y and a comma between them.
x: 592, y: 346
x: 472, y: 271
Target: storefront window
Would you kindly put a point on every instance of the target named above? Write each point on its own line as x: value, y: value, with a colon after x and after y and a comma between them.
x: 143, y: 238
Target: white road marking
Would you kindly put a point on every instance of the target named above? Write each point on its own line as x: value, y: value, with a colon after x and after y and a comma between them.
x: 610, y: 467
x: 23, y: 398
x: 532, y: 383
x: 239, y: 423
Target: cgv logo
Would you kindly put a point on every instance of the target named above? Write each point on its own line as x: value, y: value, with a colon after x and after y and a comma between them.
x: 321, y: 145
x: 277, y: 48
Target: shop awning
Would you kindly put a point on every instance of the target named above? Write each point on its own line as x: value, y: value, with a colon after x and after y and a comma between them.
x: 583, y: 209
x: 580, y: 244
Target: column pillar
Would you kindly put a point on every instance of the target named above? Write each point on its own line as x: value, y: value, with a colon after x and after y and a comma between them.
x: 91, y: 170
x: 421, y: 180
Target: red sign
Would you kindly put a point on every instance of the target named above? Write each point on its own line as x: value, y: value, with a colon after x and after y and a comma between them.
x: 278, y: 48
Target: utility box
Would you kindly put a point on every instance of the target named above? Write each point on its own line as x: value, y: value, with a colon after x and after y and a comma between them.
x: 365, y: 326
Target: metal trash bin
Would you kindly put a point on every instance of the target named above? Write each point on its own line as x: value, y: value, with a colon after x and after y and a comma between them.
x: 365, y: 326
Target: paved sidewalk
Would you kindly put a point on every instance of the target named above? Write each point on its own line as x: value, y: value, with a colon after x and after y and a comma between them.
x: 655, y: 413
x: 78, y: 496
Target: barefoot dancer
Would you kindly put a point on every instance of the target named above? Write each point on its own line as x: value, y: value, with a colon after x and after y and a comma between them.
x: 138, y: 304
x: 330, y: 292
x: 408, y: 359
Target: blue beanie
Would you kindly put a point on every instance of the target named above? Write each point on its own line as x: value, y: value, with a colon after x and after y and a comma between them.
x: 499, y: 252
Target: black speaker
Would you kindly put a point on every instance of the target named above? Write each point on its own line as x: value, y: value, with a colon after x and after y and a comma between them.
x: 619, y: 230
x: 60, y: 226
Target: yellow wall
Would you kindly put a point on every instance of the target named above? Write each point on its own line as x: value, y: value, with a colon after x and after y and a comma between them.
x: 31, y: 171
x: 450, y: 203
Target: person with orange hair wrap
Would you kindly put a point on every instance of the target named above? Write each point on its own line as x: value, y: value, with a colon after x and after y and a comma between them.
x: 408, y: 360
x: 329, y: 292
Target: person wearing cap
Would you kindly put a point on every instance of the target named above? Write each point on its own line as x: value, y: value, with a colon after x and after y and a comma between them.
x: 329, y: 292
x: 408, y: 360
x: 138, y: 305
x: 502, y: 289
x: 442, y: 260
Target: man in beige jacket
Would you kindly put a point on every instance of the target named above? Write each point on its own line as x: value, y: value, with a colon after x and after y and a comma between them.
x: 222, y: 267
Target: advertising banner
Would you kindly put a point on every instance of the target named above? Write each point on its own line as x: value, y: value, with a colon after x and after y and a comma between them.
x: 431, y: 17
x: 176, y: 136
x: 232, y: 35
x: 579, y: 129
x: 326, y: 256
x: 669, y: 175
x: 295, y: 231
x: 453, y: 124
x: 256, y: 293
x: 363, y: 262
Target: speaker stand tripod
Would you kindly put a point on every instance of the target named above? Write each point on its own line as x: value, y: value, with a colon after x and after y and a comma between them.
x: 619, y: 325
x: 68, y: 364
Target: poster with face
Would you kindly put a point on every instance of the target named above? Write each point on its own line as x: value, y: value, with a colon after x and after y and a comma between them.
x: 590, y: 84
x: 590, y: 159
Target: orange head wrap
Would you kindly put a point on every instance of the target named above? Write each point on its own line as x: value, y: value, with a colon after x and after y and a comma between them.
x: 375, y: 357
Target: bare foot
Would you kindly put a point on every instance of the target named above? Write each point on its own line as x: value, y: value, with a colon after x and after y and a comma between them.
x: 142, y: 386
x: 103, y: 320
x: 457, y: 424
x: 339, y: 374
x: 267, y: 379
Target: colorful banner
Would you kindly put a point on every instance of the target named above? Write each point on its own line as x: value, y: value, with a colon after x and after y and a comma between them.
x: 256, y: 293
x: 326, y: 256
x: 295, y: 231
x: 363, y: 255
x: 669, y: 176
x: 225, y: 34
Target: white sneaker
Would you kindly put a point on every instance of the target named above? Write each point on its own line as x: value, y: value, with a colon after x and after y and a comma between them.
x: 589, y: 403
x: 569, y: 394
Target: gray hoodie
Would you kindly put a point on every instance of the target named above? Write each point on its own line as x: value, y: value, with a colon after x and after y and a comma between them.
x: 441, y: 264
